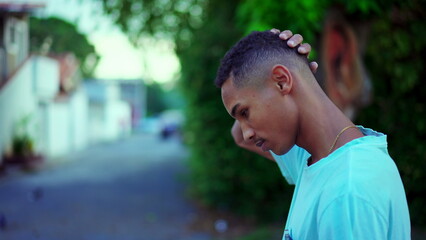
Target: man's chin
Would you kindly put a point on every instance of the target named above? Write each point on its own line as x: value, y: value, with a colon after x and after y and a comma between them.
x: 265, y: 148
x: 280, y: 151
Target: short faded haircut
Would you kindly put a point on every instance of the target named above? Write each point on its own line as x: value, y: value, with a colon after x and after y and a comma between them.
x: 249, y: 61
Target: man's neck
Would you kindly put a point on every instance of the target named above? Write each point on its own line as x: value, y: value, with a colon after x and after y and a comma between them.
x: 320, y: 127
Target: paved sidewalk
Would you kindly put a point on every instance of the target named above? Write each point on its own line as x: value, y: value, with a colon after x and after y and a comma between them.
x: 131, y: 189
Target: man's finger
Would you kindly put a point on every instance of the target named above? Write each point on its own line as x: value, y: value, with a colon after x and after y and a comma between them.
x: 286, y: 34
x: 295, y: 40
x: 313, y: 66
x: 304, y: 48
x: 276, y: 31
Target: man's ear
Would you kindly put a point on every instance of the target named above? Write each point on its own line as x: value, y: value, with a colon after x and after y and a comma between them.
x: 282, y: 78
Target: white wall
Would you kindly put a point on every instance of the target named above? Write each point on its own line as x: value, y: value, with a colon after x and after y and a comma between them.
x: 46, y: 77
x: 117, y: 119
x: 65, y: 125
x: 96, y: 122
x: 17, y: 100
x: 109, y: 121
x: 58, y: 129
x: 79, y: 108
x: 109, y: 117
x: 112, y: 92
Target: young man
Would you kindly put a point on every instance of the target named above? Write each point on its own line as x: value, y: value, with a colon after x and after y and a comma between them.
x: 347, y: 185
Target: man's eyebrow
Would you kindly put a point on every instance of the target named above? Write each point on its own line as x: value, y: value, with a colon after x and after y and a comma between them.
x: 234, y: 109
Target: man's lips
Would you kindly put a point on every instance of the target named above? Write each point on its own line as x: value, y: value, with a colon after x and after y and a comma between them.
x: 260, y: 143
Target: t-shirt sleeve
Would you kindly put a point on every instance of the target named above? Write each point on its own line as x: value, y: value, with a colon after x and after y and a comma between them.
x: 291, y: 163
x: 351, y: 217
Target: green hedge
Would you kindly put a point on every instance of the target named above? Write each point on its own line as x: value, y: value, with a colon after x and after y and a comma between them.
x: 397, y: 66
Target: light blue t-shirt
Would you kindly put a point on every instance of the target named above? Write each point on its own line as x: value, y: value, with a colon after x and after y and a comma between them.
x: 354, y: 193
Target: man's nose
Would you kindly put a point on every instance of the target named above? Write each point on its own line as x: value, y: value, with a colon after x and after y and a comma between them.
x: 248, y: 132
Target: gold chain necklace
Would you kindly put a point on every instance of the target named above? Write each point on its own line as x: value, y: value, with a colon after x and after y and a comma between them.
x: 337, y: 137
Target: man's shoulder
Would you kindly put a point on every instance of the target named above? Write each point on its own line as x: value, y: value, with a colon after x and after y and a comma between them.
x: 363, y: 168
x: 366, y: 176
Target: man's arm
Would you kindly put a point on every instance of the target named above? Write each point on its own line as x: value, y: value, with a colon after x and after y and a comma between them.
x: 293, y: 41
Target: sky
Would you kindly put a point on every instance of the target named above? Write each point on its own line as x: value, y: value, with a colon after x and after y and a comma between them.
x: 155, y: 61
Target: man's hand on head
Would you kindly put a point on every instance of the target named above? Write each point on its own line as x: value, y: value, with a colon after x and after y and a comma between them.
x: 296, y: 41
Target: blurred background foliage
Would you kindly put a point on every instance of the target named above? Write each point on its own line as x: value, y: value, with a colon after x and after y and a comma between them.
x: 56, y: 36
x: 228, y: 178
x: 155, y: 98
x: 160, y: 99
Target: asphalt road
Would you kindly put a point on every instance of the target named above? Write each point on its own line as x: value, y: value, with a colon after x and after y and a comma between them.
x: 129, y: 189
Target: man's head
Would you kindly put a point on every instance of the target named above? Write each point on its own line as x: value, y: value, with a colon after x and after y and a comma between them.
x: 250, y: 61
x: 260, y: 78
